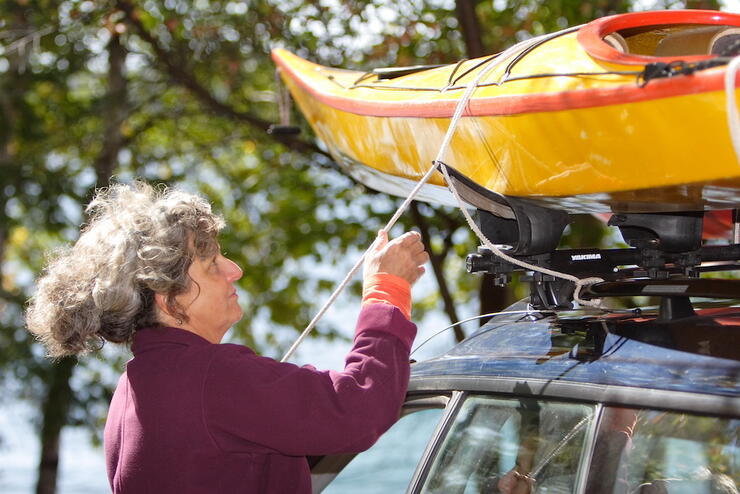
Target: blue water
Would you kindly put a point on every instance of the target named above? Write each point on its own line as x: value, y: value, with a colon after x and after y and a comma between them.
x: 82, y: 466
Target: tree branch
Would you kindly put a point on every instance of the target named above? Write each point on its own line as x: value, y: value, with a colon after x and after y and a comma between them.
x: 178, y: 73
x: 470, y: 27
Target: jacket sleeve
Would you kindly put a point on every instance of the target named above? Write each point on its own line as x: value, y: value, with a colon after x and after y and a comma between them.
x: 256, y: 404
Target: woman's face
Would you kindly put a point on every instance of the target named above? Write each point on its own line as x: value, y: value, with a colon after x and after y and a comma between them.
x: 211, y: 302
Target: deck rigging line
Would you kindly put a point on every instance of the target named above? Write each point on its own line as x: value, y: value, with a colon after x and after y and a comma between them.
x: 636, y: 73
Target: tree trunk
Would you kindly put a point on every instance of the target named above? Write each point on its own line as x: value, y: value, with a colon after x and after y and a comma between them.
x: 59, y: 398
x: 470, y: 27
x: 492, y: 298
x: 55, y: 416
x: 117, y: 110
x: 436, y: 261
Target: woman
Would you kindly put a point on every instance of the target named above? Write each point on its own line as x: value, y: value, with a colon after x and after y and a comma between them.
x: 191, y: 415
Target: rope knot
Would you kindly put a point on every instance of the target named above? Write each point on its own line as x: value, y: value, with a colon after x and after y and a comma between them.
x: 582, y: 282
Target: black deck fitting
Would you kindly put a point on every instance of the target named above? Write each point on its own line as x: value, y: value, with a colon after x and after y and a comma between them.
x: 668, y: 232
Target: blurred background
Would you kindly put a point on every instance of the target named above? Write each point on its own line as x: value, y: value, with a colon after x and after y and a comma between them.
x: 182, y: 92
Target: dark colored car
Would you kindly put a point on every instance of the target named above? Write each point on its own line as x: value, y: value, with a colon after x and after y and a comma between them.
x: 548, y: 399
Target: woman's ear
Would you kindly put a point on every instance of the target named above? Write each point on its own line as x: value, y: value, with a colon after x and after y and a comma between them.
x: 163, y: 314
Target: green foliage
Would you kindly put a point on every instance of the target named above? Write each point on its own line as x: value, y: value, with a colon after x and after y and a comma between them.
x: 181, y: 92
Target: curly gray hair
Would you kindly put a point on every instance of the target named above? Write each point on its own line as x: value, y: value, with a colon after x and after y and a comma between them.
x: 140, y: 240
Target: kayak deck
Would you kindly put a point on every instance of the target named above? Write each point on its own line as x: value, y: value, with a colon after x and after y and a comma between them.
x: 553, y: 124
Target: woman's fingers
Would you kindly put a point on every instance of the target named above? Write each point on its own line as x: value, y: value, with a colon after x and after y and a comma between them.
x: 381, y: 240
x: 411, y: 236
x: 403, y: 257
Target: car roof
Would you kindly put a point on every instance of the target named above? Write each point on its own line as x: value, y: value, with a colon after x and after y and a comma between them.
x: 627, y: 357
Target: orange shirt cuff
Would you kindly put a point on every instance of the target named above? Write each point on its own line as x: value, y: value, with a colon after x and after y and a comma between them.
x: 388, y: 289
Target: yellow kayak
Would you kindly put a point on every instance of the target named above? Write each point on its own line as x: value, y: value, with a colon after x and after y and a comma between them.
x: 624, y: 114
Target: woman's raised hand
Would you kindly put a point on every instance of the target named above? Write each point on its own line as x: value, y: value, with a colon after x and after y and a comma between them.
x: 403, y: 256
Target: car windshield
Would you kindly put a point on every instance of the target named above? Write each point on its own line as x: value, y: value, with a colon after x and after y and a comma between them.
x: 505, y: 445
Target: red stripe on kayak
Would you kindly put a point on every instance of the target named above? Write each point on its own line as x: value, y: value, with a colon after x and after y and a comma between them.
x: 591, y: 36
x: 701, y: 82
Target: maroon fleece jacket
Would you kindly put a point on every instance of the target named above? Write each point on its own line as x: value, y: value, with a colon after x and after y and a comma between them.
x: 189, y: 416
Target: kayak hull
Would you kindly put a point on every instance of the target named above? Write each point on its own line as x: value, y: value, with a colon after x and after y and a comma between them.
x: 584, y: 144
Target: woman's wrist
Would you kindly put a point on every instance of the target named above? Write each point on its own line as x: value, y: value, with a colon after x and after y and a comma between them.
x: 390, y: 289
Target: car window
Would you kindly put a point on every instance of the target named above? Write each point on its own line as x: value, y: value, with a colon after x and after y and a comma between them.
x: 511, y: 446
x: 649, y: 452
x: 389, y: 464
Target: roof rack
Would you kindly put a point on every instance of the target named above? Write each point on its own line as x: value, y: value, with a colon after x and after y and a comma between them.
x: 664, y: 247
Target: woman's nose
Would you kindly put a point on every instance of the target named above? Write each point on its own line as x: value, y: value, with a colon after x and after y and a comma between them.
x: 233, y: 271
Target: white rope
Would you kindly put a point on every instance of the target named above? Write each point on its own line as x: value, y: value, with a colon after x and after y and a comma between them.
x: 356, y: 267
x: 733, y: 120
x: 459, y: 109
